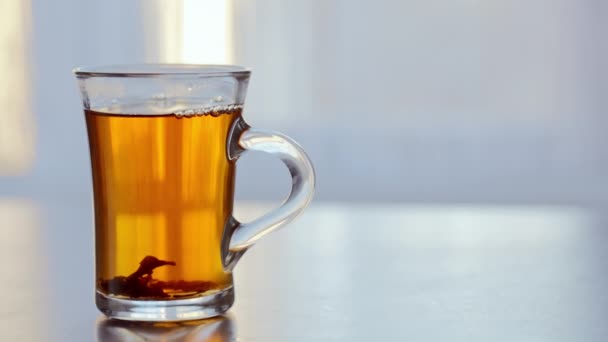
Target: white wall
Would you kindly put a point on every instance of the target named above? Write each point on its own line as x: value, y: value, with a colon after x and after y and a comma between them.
x: 436, y: 100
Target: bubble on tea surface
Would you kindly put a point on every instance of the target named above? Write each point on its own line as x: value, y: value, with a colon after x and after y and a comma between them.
x: 212, y: 111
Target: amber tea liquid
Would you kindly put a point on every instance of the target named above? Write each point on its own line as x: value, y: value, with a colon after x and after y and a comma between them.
x: 163, y: 189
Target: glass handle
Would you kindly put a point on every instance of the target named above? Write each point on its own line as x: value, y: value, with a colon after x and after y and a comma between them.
x: 302, y: 187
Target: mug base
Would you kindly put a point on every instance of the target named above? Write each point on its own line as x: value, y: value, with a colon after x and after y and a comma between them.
x: 166, y: 310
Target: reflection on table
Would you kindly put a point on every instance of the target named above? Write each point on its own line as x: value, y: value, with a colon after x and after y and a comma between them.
x: 218, y: 329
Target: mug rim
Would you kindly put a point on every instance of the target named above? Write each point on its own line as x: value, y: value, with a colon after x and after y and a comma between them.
x: 162, y: 70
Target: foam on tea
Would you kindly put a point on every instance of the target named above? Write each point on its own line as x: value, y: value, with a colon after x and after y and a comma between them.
x: 213, y: 111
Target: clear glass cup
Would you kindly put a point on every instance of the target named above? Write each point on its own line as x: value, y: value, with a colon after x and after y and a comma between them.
x: 164, y: 140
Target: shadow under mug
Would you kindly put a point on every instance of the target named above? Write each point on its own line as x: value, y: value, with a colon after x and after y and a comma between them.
x: 164, y: 140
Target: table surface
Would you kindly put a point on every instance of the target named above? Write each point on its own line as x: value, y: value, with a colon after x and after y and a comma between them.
x: 342, y: 272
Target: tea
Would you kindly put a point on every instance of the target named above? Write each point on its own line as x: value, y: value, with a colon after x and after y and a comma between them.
x: 163, y: 188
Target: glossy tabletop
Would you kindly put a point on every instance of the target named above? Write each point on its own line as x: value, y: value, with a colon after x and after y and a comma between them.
x: 342, y: 272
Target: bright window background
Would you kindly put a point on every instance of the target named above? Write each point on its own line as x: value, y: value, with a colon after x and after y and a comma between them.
x: 426, y: 101
x: 17, y: 127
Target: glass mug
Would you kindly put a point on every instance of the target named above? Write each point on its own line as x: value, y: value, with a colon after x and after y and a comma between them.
x: 164, y: 141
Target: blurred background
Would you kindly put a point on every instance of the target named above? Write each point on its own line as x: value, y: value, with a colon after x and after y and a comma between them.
x: 463, y: 101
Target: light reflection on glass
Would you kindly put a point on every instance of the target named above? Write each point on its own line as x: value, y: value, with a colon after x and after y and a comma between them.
x: 16, y: 121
